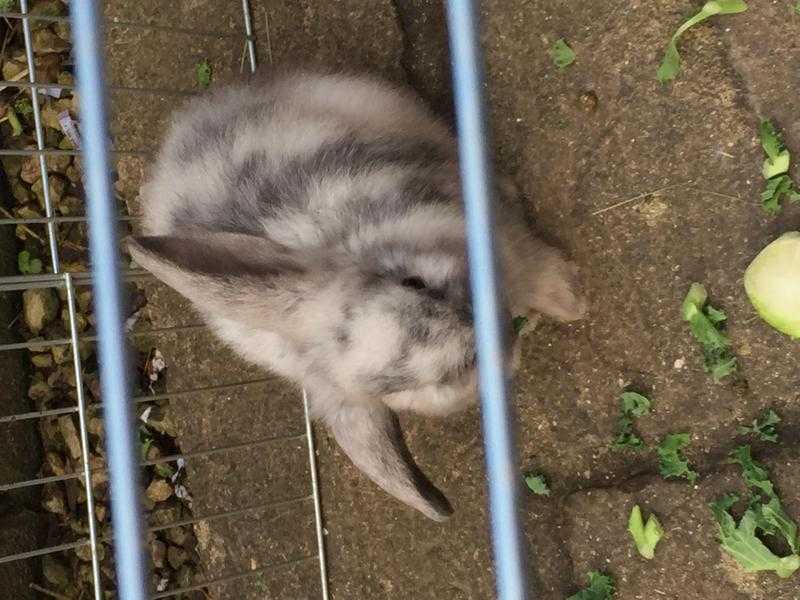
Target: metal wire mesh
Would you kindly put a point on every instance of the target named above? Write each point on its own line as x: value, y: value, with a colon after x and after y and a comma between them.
x: 60, y: 278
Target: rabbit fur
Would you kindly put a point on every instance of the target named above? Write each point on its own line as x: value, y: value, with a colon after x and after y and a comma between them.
x: 315, y: 221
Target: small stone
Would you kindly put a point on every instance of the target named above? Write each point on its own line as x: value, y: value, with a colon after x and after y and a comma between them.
x: 165, y: 514
x: 153, y: 453
x: 80, y: 320
x: 65, y: 78
x: 47, y: 67
x: 47, y: 42
x: 158, y: 552
x: 588, y: 101
x: 70, y: 435
x: 12, y: 165
x: 176, y: 557
x: 177, y: 535
x: 49, y: 116
x: 184, y: 576
x: 73, y: 173
x: 55, y: 572
x: 53, y: 499
x: 39, y: 307
x: 12, y: 68
x: 69, y: 378
x: 84, y: 300
x: 62, y: 30
x: 161, y: 421
x: 42, y: 361
x: 55, y: 184
x: 55, y: 463
x: 58, y: 163
x: 20, y: 192
x: 84, y: 553
x: 99, y: 471
x: 95, y: 426
x: 158, y: 490
x: 30, y: 171
x: 40, y: 391
x: 70, y: 205
x: 101, y: 512
x: 93, y: 383
x: 61, y: 354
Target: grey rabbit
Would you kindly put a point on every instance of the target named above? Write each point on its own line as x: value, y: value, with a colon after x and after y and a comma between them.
x: 316, y: 223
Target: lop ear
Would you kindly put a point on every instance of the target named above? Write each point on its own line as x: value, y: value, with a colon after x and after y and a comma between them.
x: 211, y: 267
x: 370, y: 435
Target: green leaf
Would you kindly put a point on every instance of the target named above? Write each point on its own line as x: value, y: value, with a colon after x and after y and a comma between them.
x: 714, y: 315
x: 755, y: 476
x: 24, y: 107
x: 797, y: 7
x: 764, y: 427
x: 7, y: 5
x: 645, y: 536
x: 601, y: 587
x: 773, y: 193
x: 146, y: 443
x: 28, y: 265
x: 704, y: 322
x: 537, y: 484
x: 563, y: 56
x: 770, y: 516
x: 519, y: 323
x: 741, y: 543
x: 164, y: 470
x: 13, y: 120
x: 672, y: 462
x: 671, y: 64
x: 779, y: 166
x: 770, y: 139
x: 204, y: 73
x: 632, y: 405
x: 635, y: 404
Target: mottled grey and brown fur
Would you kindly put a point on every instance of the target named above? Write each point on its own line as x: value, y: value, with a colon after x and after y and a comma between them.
x: 316, y: 223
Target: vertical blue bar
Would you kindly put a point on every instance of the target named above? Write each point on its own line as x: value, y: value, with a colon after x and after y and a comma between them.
x: 123, y: 466
x: 477, y: 185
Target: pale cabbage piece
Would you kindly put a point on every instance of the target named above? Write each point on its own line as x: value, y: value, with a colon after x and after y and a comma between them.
x: 772, y: 282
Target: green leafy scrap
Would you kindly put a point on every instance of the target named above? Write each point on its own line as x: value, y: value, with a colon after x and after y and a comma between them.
x: 705, y: 322
x: 13, y: 120
x: 671, y: 64
x: 601, y: 587
x: 765, y: 427
x: 563, y: 56
x: 645, y: 535
x: 764, y: 502
x: 204, y: 73
x: 537, y: 484
x: 7, y: 5
x: 23, y: 107
x: 671, y: 460
x: 164, y: 470
x: 519, y: 323
x: 776, y: 170
x: 632, y: 405
x: 743, y: 545
x: 28, y: 265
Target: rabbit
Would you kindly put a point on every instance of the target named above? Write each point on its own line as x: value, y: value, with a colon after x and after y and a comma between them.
x: 315, y: 222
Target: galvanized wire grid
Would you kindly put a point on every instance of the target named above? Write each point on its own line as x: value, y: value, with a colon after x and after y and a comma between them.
x: 69, y: 282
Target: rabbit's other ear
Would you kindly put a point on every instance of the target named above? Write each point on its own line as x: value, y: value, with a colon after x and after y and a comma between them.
x: 370, y: 435
x: 210, y: 267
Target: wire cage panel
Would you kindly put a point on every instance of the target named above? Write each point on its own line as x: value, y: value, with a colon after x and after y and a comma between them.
x: 216, y: 418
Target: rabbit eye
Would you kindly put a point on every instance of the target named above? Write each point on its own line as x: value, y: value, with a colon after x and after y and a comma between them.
x: 414, y: 283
